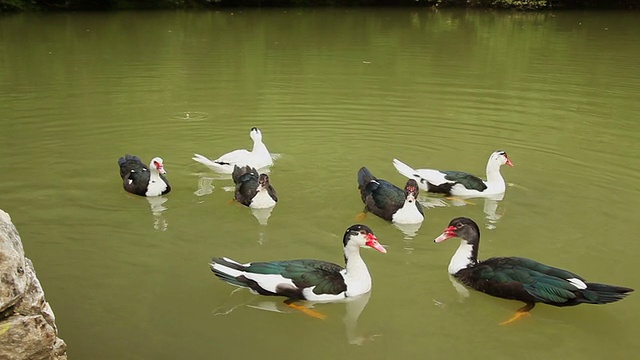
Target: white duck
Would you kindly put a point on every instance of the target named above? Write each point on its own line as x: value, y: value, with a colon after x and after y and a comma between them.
x: 258, y: 158
x: 459, y: 183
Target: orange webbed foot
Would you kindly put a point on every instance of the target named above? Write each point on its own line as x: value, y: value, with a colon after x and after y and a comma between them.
x: 307, y: 311
x: 520, y: 313
x: 361, y: 216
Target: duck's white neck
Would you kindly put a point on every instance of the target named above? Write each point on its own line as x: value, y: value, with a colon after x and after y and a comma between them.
x: 356, y: 275
x: 462, y: 258
x: 258, y: 145
x: 494, y: 178
x: 156, y: 185
x: 408, y: 214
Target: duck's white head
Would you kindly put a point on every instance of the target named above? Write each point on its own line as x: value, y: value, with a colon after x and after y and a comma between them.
x: 255, y: 134
x: 499, y: 157
x: 362, y: 236
x: 158, y: 164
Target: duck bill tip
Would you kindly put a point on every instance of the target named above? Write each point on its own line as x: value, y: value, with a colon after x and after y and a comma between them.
x: 376, y: 245
x: 444, y: 236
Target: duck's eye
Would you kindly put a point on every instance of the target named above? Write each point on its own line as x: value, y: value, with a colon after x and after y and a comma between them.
x: 459, y: 225
x: 363, y: 232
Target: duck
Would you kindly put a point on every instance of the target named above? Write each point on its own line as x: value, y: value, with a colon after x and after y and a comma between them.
x: 518, y: 278
x: 141, y: 180
x: 306, y: 279
x: 389, y: 201
x: 458, y: 183
x: 259, y: 157
x: 252, y: 189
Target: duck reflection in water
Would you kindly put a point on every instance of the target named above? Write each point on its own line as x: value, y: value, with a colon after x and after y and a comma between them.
x: 354, y: 306
x: 490, y: 207
x: 156, y: 204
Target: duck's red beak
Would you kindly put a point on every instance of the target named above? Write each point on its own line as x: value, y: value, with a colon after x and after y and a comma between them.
x: 372, y: 241
x: 448, y: 233
x: 509, y: 162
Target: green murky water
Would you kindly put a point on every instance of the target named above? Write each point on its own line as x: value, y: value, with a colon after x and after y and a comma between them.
x: 332, y: 90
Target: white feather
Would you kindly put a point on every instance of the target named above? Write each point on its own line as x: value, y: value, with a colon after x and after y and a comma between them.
x: 461, y: 259
x: 156, y: 185
x: 577, y: 283
x: 262, y: 200
x: 408, y: 213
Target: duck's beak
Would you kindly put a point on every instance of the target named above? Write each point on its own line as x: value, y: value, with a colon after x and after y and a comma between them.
x: 509, y: 162
x: 372, y: 241
x: 448, y: 233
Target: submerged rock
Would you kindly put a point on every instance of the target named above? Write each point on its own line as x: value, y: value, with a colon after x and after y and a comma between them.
x: 27, y: 323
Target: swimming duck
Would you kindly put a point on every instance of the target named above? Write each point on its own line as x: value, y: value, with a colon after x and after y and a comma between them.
x: 459, y: 183
x: 253, y: 189
x: 389, y: 201
x: 259, y: 157
x: 141, y: 180
x: 518, y: 278
x: 313, y: 280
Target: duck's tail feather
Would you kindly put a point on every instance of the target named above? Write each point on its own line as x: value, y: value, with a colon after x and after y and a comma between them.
x: 228, y: 270
x: 364, y: 177
x: 128, y: 163
x: 404, y: 169
x: 602, y: 293
x: 203, y: 160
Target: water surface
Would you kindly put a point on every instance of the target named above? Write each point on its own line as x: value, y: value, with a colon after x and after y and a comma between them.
x: 332, y: 90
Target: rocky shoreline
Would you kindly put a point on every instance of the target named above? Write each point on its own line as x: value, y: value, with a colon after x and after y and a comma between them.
x: 27, y: 322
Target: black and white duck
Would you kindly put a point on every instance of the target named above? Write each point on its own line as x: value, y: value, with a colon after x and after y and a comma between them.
x: 313, y: 280
x: 458, y: 183
x: 259, y: 157
x: 519, y: 278
x: 389, y: 201
x: 141, y: 180
x: 252, y: 189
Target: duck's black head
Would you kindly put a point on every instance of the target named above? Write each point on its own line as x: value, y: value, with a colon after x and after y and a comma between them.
x: 411, y: 190
x: 463, y: 228
x: 363, y: 236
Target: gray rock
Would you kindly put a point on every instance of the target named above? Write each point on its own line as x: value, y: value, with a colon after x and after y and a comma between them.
x: 27, y: 323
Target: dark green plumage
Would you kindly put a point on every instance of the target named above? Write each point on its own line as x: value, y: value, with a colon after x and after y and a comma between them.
x: 246, y: 179
x: 501, y: 275
x: 469, y: 181
x: 325, y: 276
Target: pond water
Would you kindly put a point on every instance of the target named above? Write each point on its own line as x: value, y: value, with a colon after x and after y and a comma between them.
x: 332, y: 90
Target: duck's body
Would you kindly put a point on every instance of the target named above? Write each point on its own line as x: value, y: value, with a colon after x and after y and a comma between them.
x: 389, y: 201
x: 141, y: 180
x: 253, y: 189
x: 518, y: 278
x: 313, y: 280
x: 258, y: 158
x: 458, y: 183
